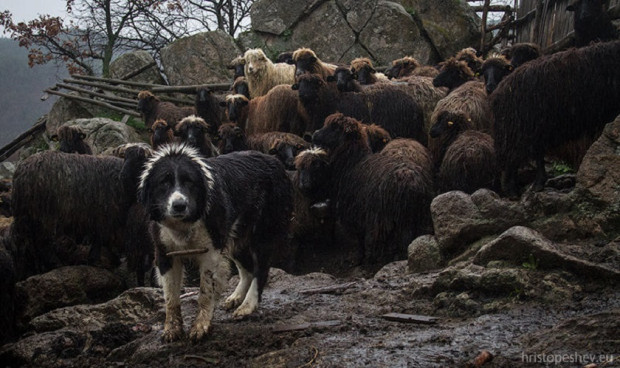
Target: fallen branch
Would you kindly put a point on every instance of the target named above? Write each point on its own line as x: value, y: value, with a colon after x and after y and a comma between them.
x: 304, y: 326
x: 207, y: 360
x: 22, y: 139
x: 186, y: 252
x: 409, y: 318
x: 329, y: 289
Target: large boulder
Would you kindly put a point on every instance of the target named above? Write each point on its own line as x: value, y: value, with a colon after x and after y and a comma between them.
x: 105, y: 134
x: 199, y: 59
x: 131, y: 66
x: 379, y: 29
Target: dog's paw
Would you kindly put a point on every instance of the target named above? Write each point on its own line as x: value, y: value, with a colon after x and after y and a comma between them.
x: 173, y: 333
x: 198, y: 332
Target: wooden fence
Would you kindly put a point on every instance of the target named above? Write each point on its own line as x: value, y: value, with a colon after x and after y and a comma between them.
x: 547, y: 23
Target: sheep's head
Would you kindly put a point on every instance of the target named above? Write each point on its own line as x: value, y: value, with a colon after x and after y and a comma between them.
x: 309, y: 87
x: 202, y: 94
x: 286, y: 150
x: 70, y: 137
x: 192, y: 131
x: 402, y: 67
x: 237, y: 64
x: 521, y: 53
x: 231, y: 138
x: 312, y: 173
x: 469, y: 55
x: 453, y: 73
x: 285, y: 57
x: 255, y: 62
x: 338, y: 130
x: 235, y: 104
x: 161, y: 133
x: 305, y: 61
x: 344, y: 79
x: 377, y: 137
x: 363, y: 70
x: 146, y: 101
x: 587, y: 12
x: 240, y: 87
x: 494, y: 69
x: 450, y: 123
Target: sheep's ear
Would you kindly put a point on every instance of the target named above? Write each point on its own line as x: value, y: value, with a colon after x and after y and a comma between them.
x: 295, y: 87
x: 273, y: 151
x: 307, y: 137
x: 82, y: 135
x: 54, y: 138
x: 330, y: 78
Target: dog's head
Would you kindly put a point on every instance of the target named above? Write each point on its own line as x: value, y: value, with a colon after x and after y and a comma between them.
x: 174, y: 185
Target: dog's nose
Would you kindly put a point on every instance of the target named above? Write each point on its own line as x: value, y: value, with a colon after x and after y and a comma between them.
x: 179, y: 206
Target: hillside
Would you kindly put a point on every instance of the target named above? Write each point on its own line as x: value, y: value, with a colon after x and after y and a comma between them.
x: 23, y: 86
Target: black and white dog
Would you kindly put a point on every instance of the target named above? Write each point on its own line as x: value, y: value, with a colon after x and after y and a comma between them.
x: 236, y: 206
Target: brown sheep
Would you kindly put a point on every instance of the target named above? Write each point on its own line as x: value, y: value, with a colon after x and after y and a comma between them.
x: 453, y: 73
x: 520, y: 53
x: 470, y: 100
x: 161, y: 133
x: 71, y: 139
x: 275, y: 111
x: 365, y: 73
x: 262, y: 74
x: 469, y: 55
x: 466, y: 161
x: 493, y: 70
x: 306, y: 61
x: 377, y: 137
x: 151, y: 109
x: 402, y: 67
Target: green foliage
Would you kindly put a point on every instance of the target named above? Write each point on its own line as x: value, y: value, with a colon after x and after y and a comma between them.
x: 531, y: 263
x: 286, y: 35
x: 560, y: 167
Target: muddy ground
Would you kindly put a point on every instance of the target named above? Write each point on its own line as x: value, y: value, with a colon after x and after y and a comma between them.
x: 317, y: 320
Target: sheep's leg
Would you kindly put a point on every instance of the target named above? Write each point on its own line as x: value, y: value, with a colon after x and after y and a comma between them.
x: 541, y: 174
x: 172, y: 279
x: 510, y: 186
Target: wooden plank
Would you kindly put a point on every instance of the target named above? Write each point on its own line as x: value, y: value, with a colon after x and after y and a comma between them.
x: 22, y: 139
x: 410, y: 318
x: 115, y: 81
x: 192, y: 88
x: 95, y: 102
x: 304, y: 326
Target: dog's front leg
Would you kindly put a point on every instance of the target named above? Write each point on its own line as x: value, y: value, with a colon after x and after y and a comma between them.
x: 213, y: 277
x: 172, y: 280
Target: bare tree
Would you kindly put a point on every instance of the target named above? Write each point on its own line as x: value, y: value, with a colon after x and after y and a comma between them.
x: 97, y: 30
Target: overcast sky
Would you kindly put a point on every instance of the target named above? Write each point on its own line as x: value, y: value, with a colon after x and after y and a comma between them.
x: 24, y: 10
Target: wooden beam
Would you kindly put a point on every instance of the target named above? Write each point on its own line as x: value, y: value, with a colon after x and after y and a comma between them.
x: 192, y: 88
x: 115, y: 81
x: 22, y: 139
x: 493, y: 8
x: 409, y: 318
x: 94, y: 102
x: 97, y: 94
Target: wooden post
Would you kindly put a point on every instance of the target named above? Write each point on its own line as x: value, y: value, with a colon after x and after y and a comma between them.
x: 483, y: 25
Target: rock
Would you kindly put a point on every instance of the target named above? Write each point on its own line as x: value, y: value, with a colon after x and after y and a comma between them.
x: 521, y: 245
x: 6, y: 170
x: 86, y: 331
x: 423, y: 254
x: 7, y: 296
x: 460, y: 219
x: 65, y: 109
x: 199, y: 59
x: 65, y: 286
x: 103, y: 133
x: 381, y: 30
x: 131, y: 62
x: 598, y: 180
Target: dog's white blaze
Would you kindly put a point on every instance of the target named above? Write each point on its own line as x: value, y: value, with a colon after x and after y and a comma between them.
x: 177, y: 195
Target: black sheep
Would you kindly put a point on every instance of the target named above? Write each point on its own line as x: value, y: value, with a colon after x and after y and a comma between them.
x: 240, y: 87
x: 209, y: 109
x: 591, y: 22
x: 58, y: 195
x: 161, y: 133
x: 551, y: 100
x: 384, y: 105
x: 231, y: 138
x: 453, y: 73
x: 521, y: 53
x: 194, y: 131
x: 494, y: 69
x: 382, y: 200
x: 71, y: 139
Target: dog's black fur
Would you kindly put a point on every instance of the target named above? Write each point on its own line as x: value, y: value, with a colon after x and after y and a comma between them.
x: 240, y: 203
